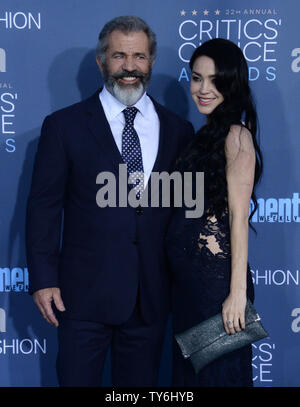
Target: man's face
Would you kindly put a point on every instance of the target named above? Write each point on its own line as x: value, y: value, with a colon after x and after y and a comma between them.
x: 127, y: 67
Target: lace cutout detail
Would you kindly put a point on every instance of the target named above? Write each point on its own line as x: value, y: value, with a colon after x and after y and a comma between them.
x: 213, y: 238
x: 201, y: 246
x: 210, y: 243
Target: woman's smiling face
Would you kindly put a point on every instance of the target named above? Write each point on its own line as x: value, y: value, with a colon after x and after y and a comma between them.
x: 203, y: 89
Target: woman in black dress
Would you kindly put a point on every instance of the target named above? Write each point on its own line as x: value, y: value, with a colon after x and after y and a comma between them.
x: 209, y: 255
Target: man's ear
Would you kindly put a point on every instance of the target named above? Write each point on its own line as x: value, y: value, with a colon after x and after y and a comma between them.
x: 99, y: 63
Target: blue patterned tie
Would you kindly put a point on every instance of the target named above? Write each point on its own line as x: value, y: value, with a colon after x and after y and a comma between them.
x: 131, y: 149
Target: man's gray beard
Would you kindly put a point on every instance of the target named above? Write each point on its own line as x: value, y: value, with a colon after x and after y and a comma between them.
x: 128, y: 95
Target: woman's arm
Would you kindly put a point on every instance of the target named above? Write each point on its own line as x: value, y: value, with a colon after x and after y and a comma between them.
x: 240, y: 169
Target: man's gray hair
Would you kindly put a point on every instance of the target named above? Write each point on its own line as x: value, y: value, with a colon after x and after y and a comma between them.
x: 125, y: 24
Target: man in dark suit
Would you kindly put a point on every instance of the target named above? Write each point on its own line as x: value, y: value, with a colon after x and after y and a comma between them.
x: 104, y: 268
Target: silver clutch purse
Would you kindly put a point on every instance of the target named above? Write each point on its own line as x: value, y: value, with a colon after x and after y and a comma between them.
x: 208, y: 340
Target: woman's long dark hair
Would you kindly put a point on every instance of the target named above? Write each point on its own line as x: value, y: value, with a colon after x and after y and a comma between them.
x: 207, y: 152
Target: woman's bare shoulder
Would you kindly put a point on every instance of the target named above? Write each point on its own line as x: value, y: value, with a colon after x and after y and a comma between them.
x: 239, y: 139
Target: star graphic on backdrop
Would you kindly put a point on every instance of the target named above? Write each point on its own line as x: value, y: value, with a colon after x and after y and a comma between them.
x: 205, y: 12
x: 183, y: 12
x: 217, y: 12
x: 194, y: 12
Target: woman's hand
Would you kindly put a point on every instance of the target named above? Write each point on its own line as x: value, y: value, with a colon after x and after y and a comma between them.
x: 233, y: 312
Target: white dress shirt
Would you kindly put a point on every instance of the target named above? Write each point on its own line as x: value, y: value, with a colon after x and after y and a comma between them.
x: 146, y: 124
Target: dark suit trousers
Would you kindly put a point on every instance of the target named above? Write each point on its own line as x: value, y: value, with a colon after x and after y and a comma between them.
x: 135, y: 351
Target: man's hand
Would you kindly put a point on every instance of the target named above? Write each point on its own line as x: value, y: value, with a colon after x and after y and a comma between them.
x: 43, y: 299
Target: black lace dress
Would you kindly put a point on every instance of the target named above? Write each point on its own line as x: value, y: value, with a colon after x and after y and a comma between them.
x: 200, y: 261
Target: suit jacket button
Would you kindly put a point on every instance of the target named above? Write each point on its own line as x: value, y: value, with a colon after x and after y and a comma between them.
x: 139, y: 211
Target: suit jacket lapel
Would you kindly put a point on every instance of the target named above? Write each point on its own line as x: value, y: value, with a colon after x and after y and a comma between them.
x: 100, y: 129
x: 158, y: 164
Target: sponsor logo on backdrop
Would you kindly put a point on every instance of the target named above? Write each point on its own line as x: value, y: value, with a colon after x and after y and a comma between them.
x: 275, y: 277
x: 3, y: 68
x: 262, y: 364
x: 8, y: 103
x: 255, y: 31
x: 14, y: 279
x: 20, y: 20
x: 296, y: 61
x: 2, y: 60
x: 2, y: 320
x: 18, y: 346
x: 12, y: 20
x: 296, y: 321
x: 272, y: 210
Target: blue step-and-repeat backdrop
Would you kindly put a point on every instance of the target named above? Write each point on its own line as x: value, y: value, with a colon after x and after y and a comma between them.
x: 47, y: 61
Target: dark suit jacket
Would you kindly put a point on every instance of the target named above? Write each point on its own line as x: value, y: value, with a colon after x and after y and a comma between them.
x: 103, y: 254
